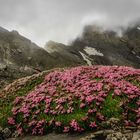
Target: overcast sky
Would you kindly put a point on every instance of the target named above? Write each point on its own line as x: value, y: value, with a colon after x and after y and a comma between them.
x: 63, y: 20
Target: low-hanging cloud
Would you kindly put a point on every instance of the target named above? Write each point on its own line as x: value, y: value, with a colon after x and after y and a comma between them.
x: 63, y: 20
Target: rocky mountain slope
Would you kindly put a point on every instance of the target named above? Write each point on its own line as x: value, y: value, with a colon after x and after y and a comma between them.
x: 103, y: 47
x: 20, y: 57
x: 64, y: 53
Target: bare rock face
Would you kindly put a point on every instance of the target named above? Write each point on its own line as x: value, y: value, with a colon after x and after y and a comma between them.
x: 17, y: 50
x: 64, y: 55
x: 99, y: 47
x: 108, y: 48
x: 5, y: 133
x: 20, y: 57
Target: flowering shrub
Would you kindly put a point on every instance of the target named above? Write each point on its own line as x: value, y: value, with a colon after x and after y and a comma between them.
x: 79, y: 99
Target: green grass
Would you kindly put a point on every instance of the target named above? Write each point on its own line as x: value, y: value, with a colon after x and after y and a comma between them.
x: 131, y: 114
x: 111, y: 107
x: 97, y: 79
x: 6, y: 103
x: 133, y: 80
x: 65, y: 118
x: 136, y: 83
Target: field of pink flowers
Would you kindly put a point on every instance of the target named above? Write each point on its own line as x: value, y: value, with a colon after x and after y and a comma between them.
x: 79, y: 99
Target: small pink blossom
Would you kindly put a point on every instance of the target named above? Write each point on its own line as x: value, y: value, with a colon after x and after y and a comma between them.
x: 11, y: 121
x: 66, y: 129
x: 58, y: 123
x: 20, y: 131
x: 84, y: 119
x: 82, y: 105
x: 93, y: 124
x: 100, y: 117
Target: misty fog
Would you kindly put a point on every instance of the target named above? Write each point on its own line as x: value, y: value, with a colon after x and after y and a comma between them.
x: 63, y: 20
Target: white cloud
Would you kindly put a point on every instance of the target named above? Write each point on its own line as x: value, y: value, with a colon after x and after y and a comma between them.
x: 63, y: 20
x: 92, y: 51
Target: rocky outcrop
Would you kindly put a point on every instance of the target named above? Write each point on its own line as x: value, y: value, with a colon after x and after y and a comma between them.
x: 20, y: 57
x: 116, y: 132
x: 5, y: 133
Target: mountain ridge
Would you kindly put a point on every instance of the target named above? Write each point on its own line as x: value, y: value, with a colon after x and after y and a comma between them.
x: 20, y: 57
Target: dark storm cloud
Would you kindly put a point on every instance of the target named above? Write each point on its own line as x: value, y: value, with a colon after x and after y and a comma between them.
x: 62, y: 20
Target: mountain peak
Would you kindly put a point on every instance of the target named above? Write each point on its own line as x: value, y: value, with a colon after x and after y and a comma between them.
x: 15, y: 32
x: 3, y: 29
x: 52, y: 46
x: 53, y: 43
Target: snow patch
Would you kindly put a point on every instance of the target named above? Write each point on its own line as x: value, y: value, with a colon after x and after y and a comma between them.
x: 133, y: 52
x: 86, y: 58
x: 92, y: 51
x: 138, y: 28
x: 138, y: 57
x: 51, y: 49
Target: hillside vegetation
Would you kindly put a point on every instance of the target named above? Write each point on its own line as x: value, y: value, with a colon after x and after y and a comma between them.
x: 72, y: 100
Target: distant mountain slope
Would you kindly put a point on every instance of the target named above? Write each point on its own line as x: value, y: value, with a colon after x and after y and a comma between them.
x: 20, y: 57
x: 65, y: 54
x: 104, y: 48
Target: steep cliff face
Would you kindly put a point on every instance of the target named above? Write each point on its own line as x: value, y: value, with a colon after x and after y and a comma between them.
x: 20, y: 57
x: 17, y: 50
x: 133, y: 35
